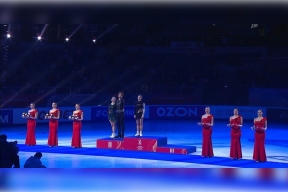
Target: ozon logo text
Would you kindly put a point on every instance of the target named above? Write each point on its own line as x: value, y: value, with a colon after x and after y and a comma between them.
x: 177, y: 111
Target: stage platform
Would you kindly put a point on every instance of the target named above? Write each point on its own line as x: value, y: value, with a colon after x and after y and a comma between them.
x: 190, y: 159
x: 147, y: 143
x: 179, y: 133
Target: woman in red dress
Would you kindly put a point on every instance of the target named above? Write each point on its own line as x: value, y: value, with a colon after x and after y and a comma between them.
x: 207, y: 123
x: 260, y: 126
x: 236, y: 122
x: 54, y: 115
x: 31, y: 125
x: 77, y: 125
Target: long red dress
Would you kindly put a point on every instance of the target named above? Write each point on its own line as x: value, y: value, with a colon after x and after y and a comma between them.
x: 31, y: 125
x: 259, y: 153
x: 76, y: 136
x: 207, y: 149
x: 53, y: 129
x: 235, y: 147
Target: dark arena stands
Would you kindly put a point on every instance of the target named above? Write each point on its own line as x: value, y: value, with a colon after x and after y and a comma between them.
x: 217, y: 63
x: 198, y: 68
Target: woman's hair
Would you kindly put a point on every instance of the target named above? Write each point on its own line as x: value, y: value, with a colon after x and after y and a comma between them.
x: 54, y: 103
x: 121, y: 93
x: 33, y: 104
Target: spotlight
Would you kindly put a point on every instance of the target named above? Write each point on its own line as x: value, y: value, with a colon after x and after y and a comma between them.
x: 94, y: 40
x: 39, y: 38
x: 67, y: 39
x: 8, y: 35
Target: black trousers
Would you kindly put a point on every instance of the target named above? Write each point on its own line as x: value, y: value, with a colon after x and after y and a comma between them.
x: 120, y: 124
x: 16, y: 161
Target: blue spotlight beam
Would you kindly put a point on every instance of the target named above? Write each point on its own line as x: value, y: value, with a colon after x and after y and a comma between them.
x: 112, y: 27
x: 43, y: 30
x: 75, y: 31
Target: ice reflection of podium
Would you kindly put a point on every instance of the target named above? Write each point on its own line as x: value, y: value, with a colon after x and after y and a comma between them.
x: 146, y: 143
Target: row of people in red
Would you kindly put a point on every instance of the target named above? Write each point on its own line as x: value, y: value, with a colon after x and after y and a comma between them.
x: 53, y: 116
x: 207, y: 121
x: 235, y: 122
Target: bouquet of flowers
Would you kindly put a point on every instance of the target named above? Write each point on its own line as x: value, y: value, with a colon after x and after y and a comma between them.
x: 25, y: 115
x: 258, y: 128
x: 73, y: 117
x: 48, y: 116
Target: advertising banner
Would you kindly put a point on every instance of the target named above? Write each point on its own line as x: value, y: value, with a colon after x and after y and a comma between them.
x: 176, y: 112
x: 6, y: 117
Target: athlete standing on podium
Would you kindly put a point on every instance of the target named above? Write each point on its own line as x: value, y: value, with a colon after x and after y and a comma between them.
x: 139, y: 111
x: 112, y: 115
x: 120, y: 103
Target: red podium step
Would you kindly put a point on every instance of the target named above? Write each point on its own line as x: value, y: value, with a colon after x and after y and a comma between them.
x: 143, y: 143
x: 147, y: 143
x: 108, y: 143
x: 177, y: 149
x: 132, y: 143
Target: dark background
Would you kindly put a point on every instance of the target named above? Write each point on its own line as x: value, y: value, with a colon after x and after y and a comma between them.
x: 128, y: 53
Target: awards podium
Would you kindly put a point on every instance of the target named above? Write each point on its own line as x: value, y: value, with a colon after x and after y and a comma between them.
x: 146, y: 143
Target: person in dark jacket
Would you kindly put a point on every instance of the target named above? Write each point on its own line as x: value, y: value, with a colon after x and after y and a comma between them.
x: 8, y: 153
x: 120, y: 103
x: 34, y: 161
